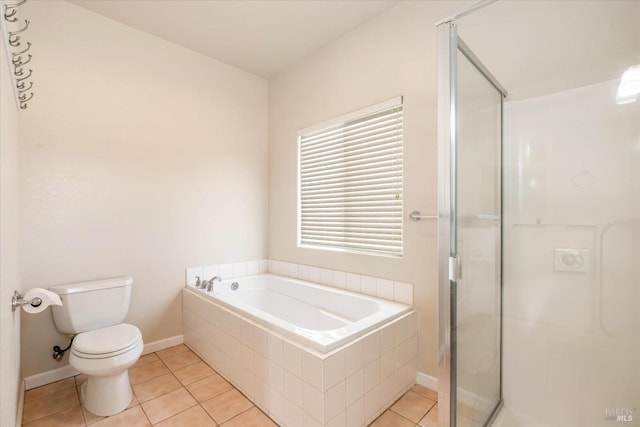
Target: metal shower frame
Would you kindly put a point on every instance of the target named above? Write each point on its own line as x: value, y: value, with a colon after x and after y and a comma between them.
x: 448, y: 45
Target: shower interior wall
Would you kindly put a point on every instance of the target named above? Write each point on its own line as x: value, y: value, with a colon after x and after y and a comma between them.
x: 571, y: 328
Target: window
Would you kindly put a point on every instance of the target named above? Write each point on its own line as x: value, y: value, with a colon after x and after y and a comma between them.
x: 350, y: 182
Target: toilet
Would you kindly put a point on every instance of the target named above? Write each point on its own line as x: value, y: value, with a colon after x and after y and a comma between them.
x: 103, y: 348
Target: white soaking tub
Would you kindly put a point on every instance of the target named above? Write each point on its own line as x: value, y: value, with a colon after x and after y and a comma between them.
x: 320, y: 317
x: 306, y: 354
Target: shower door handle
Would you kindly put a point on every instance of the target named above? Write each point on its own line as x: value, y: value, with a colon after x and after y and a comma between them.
x: 455, y: 268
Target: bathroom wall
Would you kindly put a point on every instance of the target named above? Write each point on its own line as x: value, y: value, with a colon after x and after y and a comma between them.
x: 393, y: 54
x: 9, y: 249
x: 138, y: 157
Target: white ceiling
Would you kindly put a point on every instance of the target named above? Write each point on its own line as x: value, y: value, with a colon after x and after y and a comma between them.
x: 259, y: 36
x: 541, y: 47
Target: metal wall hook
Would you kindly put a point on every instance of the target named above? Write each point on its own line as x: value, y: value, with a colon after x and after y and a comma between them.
x: 26, y: 25
x: 21, y: 87
x: 14, y: 6
x: 14, y: 40
x: 17, y: 60
x: 18, y: 301
x: 22, y: 51
x: 23, y: 97
x: 10, y: 16
x: 20, y: 79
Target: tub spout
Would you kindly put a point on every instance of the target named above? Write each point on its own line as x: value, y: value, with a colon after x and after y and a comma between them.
x: 210, y: 283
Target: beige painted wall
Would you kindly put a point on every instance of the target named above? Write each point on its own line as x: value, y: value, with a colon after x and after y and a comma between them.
x: 393, y: 54
x: 9, y: 248
x: 138, y: 157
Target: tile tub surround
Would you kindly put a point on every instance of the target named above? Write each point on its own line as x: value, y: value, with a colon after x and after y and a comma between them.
x: 373, y: 286
x: 226, y: 271
x: 296, y: 385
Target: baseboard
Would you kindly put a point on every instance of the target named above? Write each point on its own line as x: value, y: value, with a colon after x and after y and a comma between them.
x: 48, y: 377
x: 67, y: 371
x: 427, y: 381
x: 20, y: 407
x: 162, y: 344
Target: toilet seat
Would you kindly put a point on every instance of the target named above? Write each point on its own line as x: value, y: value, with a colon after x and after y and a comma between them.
x: 106, y: 342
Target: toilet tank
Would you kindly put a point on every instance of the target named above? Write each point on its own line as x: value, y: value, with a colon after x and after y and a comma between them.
x: 91, y: 305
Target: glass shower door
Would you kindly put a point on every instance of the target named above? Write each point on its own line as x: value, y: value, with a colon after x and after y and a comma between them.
x: 478, y: 245
x: 473, y: 277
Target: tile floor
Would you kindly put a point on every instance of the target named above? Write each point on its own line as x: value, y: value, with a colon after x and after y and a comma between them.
x: 174, y: 387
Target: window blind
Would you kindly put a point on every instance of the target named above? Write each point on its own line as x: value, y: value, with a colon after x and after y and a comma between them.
x: 351, y: 183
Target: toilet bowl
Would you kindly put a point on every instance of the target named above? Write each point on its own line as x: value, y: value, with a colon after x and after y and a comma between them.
x: 105, y: 355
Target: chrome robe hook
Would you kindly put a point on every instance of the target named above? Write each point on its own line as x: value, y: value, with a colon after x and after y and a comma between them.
x: 26, y: 25
x: 17, y: 60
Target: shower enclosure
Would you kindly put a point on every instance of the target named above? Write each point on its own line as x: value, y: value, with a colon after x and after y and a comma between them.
x: 470, y: 233
x: 539, y: 207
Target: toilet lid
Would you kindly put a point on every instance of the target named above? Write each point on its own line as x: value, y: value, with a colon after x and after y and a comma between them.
x: 107, y: 340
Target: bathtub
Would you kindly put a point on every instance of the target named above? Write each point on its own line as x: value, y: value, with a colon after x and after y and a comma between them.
x: 306, y: 354
x: 319, y: 317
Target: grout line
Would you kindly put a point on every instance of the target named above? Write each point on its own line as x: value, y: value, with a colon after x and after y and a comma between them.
x: 84, y: 418
x: 29, y: 398
x: 399, y: 414
x: 211, y: 397
x: 156, y: 377
x: 171, y: 416
x: 181, y: 386
x: 208, y: 414
x: 145, y: 414
x: 75, y: 388
x: 242, y: 412
x: 53, y: 413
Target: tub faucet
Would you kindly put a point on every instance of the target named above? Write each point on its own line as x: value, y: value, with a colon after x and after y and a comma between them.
x: 210, y: 283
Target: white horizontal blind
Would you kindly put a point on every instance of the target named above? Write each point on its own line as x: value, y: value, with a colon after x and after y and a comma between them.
x: 351, y: 184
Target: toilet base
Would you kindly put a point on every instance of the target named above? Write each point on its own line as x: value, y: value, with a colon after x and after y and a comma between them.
x: 105, y: 396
